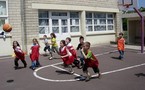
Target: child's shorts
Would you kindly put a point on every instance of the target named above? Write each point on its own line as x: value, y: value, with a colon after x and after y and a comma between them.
x: 47, y: 48
x: 95, y: 69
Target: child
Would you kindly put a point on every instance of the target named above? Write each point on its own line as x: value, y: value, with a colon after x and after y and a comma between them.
x: 72, y: 51
x: 34, y: 54
x: 19, y: 55
x: 47, y: 46
x: 54, y: 47
x: 66, y: 56
x: 80, y: 45
x: 121, y: 45
x: 90, y: 61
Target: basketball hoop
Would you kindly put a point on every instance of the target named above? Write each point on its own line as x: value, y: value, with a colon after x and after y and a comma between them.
x: 126, y: 7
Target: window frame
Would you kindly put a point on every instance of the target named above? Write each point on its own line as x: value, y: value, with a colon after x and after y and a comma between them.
x: 99, y: 24
x: 5, y: 17
x: 6, y: 9
x: 59, y: 18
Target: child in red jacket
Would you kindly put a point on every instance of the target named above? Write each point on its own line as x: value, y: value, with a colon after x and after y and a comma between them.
x: 66, y: 56
x: 19, y: 55
x: 34, y: 54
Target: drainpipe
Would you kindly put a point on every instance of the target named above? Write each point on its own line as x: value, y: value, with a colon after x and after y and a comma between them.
x: 23, y: 29
x: 142, y: 29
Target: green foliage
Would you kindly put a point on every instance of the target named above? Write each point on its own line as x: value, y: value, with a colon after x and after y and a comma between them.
x: 124, y: 20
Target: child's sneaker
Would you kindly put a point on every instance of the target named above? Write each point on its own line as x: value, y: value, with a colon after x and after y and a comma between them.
x: 50, y: 58
x: 71, y: 72
x: 99, y: 75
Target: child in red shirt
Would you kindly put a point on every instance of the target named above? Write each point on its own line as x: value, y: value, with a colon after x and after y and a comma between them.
x: 72, y: 51
x: 90, y: 61
x: 34, y: 54
x: 121, y: 45
x: 66, y: 56
x: 19, y: 55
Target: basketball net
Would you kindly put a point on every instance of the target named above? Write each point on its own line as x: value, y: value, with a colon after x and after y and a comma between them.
x: 124, y: 8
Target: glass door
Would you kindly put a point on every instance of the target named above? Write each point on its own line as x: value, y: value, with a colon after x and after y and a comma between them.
x: 60, y: 26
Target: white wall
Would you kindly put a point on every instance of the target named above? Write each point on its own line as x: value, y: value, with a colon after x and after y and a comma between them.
x: 6, y: 47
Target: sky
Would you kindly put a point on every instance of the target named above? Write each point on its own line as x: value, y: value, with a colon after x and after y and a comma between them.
x: 141, y: 3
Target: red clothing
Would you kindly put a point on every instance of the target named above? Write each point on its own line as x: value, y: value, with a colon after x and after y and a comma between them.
x: 69, y: 59
x: 19, y: 53
x: 35, y: 52
x: 91, y: 60
x: 121, y: 44
x: 72, y: 50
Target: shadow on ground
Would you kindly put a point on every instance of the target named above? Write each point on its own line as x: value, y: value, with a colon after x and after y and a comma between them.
x: 140, y: 75
x: 62, y: 72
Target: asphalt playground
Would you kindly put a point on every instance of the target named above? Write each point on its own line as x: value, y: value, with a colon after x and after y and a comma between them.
x: 126, y: 74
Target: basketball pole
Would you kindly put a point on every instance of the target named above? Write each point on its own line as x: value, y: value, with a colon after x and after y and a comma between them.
x: 142, y: 29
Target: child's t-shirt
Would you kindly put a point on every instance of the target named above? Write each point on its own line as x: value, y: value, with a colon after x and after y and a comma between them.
x: 90, y: 55
x: 19, y: 53
x: 80, y: 45
x: 121, y: 44
x: 91, y: 60
x: 53, y: 40
x: 46, y: 42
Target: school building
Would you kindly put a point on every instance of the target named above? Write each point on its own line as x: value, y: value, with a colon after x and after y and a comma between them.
x: 98, y: 21
x: 133, y: 27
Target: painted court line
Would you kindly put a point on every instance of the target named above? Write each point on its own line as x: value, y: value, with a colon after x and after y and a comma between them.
x: 122, y: 69
x: 104, y: 73
x: 46, y: 79
x: 106, y: 53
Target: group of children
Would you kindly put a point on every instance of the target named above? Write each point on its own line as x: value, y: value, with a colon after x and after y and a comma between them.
x: 67, y: 53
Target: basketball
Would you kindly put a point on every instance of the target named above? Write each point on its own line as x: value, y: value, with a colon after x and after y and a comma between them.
x: 7, y: 27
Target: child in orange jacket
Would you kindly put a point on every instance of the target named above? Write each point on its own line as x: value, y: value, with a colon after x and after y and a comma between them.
x: 121, y: 45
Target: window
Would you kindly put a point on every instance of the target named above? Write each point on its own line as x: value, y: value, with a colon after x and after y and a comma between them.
x: 44, y: 22
x: 3, y: 8
x: 3, y: 13
x: 58, y: 22
x: 89, y: 21
x: 64, y: 26
x: 74, y: 22
x: 55, y: 25
x: 99, y: 22
x: 59, y: 13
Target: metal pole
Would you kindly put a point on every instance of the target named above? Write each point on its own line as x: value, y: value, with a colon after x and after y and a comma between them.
x: 142, y: 29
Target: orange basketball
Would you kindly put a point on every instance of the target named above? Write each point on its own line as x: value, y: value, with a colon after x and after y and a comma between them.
x: 7, y: 27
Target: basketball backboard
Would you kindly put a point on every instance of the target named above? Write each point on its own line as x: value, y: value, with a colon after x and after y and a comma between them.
x: 124, y: 5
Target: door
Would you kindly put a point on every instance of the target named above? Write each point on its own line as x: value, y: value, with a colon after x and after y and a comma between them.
x: 60, y: 26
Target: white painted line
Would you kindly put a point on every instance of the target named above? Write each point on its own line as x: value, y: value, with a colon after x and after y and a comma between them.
x: 64, y: 70
x: 46, y: 79
x: 104, y: 73
x: 106, y: 53
x: 119, y: 70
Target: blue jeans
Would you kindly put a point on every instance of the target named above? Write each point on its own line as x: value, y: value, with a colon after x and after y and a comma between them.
x: 121, y: 52
x: 33, y: 65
